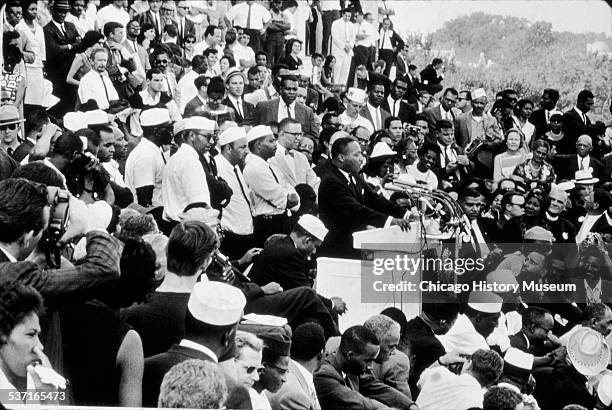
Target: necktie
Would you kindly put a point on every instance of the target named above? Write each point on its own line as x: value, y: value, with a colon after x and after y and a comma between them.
x: 289, y: 113
x: 157, y: 27
x: 239, y: 109
x: 170, y: 93
x: 377, y: 111
x: 394, y: 108
x: 161, y: 151
x: 273, y: 174
x: 63, y: 29
x: 105, y: 89
x: 446, y: 157
x: 382, y: 42
x: 581, y: 164
x: 246, y: 198
x: 248, y: 24
x: 352, y: 183
x: 213, y: 165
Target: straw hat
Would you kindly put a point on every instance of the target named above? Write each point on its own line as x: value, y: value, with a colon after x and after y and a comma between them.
x: 588, y: 352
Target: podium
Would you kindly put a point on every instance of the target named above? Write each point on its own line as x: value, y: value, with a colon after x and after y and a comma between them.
x: 352, y: 279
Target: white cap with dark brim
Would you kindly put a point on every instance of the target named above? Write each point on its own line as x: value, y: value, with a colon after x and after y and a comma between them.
x: 199, y: 123
x: 96, y: 117
x: 154, y: 116
x: 216, y: 303
x: 485, y: 302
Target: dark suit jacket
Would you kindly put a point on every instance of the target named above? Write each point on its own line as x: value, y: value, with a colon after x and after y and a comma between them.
x: 401, y: 66
x: 566, y: 166
x: 600, y: 223
x: 441, y: 171
x: 334, y: 392
x: 573, y: 127
x: 59, y: 61
x: 406, y: 112
x: 23, y: 150
x: 147, y: 18
x: 189, y: 29
x: 433, y: 116
x: 7, y: 165
x: 284, y: 264
x: 412, y: 92
x: 384, y: 114
x: 538, y: 119
x: 430, y: 79
x: 155, y: 367
x: 345, y: 211
x: 246, y: 109
x: 192, y: 107
x: 267, y: 111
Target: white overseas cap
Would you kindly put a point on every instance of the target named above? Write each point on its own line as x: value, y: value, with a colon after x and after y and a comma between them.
x: 518, y: 358
x: 485, y: 302
x: 478, y: 93
x: 231, y: 135
x: 154, y: 116
x: 75, y: 121
x: 96, y: 117
x: 216, y: 303
x: 313, y: 226
x: 258, y: 132
x: 199, y: 123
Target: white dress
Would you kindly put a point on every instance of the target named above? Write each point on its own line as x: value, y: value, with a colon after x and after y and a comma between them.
x: 34, y: 93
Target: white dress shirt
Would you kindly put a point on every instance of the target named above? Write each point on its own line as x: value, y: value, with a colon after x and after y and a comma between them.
x: 112, y: 167
x: 186, y: 89
x: 385, y: 39
x: 238, y: 103
x: 8, y: 255
x: 367, y: 29
x: 145, y: 167
x: 82, y: 23
x: 239, y: 13
x: 282, y: 110
x: 584, y: 162
x: 236, y: 215
x: 446, y: 115
x: 329, y: 5
x: 581, y: 115
x: 268, y: 188
x: 309, y: 382
x: 92, y: 88
x: 243, y: 53
x: 184, y: 182
x: 376, y: 117
x: 394, y: 106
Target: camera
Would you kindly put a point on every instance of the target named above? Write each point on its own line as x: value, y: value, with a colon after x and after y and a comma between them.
x: 58, y: 222
x: 81, y: 160
x: 220, y: 269
x: 412, y: 129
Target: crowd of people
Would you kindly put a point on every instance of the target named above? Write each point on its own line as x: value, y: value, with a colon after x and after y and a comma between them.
x: 170, y: 171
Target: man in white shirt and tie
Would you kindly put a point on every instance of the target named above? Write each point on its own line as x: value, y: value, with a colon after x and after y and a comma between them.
x: 343, y: 40
x: 293, y: 165
x: 184, y: 25
x: 96, y: 84
x: 184, y: 181
x: 252, y: 17
x: 237, y: 218
x: 234, y: 83
x: 113, y: 12
x: 271, y: 195
x: 388, y: 41
x: 372, y: 111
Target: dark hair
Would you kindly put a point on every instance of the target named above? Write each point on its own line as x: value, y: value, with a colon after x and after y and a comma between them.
x: 34, y: 120
x: 444, y: 310
x: 90, y: 38
x: 436, y: 61
x: 153, y: 71
x: 501, y: 398
x: 339, y: 146
x: 552, y: 93
x: 230, y: 60
x: 533, y: 316
x: 16, y: 302
x: 138, y: 266
x: 452, y: 91
x: 397, y: 315
x: 200, y: 81
x: 67, y: 144
x: 12, y: 53
x: 25, y: 5
x: 507, y: 199
x: 143, y: 29
x: 21, y: 208
x: 520, y: 105
x: 584, y: 95
x: 444, y: 124
x: 355, y: 339
x: 261, y: 53
x: 501, y: 104
x: 420, y: 117
x: 289, y: 77
x: 429, y: 146
x: 595, y: 311
x: 189, y: 245
x: 390, y: 119
x: 282, y: 126
x: 171, y: 30
x: 37, y: 171
x: 209, y: 51
x: 110, y: 27
x: 487, y: 366
x: 215, y: 85
x: 254, y: 70
x: 307, y: 342
x: 469, y: 193
x: 541, y: 143
x: 374, y: 83
x: 603, y: 198
x: 210, y: 30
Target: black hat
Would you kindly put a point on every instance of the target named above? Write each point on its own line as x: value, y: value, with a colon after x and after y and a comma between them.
x: 216, y: 85
x: 61, y: 5
x: 277, y: 339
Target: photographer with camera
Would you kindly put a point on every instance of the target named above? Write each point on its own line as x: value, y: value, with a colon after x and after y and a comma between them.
x: 34, y: 217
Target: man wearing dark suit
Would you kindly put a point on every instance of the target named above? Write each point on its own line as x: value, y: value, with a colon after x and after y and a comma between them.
x: 566, y: 165
x: 394, y: 104
x: 445, y: 111
x: 536, y: 324
x: 283, y: 107
x: 213, y: 312
x: 372, y: 111
x: 60, y: 39
x: 451, y: 164
x: 185, y: 27
x: 197, y: 104
x: 431, y: 78
x: 234, y: 82
x: 359, y: 389
x: 414, y: 84
x: 577, y: 123
x: 401, y: 62
x: 347, y: 204
x: 152, y: 17
x: 541, y: 118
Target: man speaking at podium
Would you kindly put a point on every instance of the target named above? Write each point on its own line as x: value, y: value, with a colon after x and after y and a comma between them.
x: 347, y: 204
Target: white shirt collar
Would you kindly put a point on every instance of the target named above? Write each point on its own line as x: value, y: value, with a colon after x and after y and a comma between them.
x: 199, y: 347
x: 283, y: 104
x: 10, y: 257
x: 234, y: 100
x: 58, y: 25
x: 346, y: 175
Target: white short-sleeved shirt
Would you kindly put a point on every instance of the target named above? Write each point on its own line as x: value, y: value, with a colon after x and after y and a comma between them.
x: 92, y: 88
x: 428, y: 179
x: 112, y: 13
x: 145, y: 167
x: 238, y: 15
x: 183, y: 182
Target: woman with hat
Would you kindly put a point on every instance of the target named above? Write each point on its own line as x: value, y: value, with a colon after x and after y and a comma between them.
x: 379, y: 168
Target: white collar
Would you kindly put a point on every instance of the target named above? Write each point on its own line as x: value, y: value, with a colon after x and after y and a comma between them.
x: 9, y: 256
x: 234, y: 99
x: 189, y: 150
x: 58, y: 25
x: 307, y: 375
x: 608, y: 218
x: 443, y: 147
x: 579, y: 112
x: 283, y: 104
x: 346, y: 175
x: 199, y: 347
x: 372, y: 108
x: 550, y: 217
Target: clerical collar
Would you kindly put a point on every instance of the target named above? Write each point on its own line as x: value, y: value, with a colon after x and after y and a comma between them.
x: 551, y: 217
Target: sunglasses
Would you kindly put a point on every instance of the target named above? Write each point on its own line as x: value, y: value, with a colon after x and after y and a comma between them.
x: 8, y: 127
x: 251, y: 369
